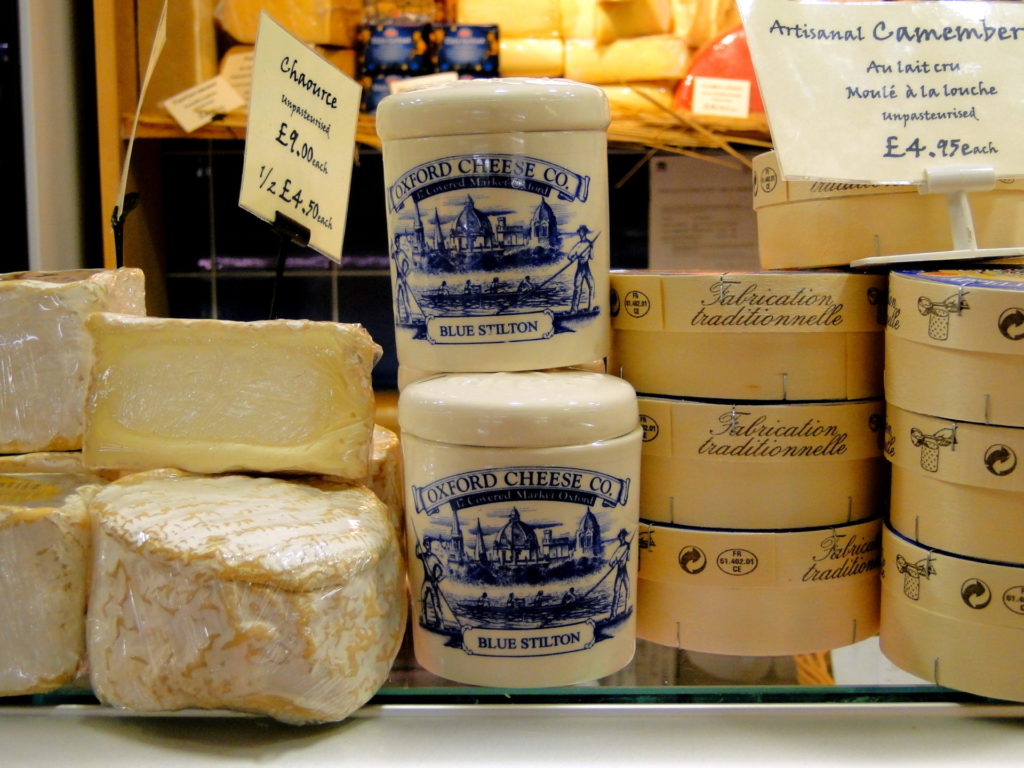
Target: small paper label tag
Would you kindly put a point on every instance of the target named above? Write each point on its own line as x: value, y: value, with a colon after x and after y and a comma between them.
x: 879, y: 92
x: 300, y: 138
x: 200, y: 104
x: 721, y: 97
x: 236, y: 68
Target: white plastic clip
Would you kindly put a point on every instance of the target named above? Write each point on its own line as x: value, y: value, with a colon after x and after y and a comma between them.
x: 955, y: 184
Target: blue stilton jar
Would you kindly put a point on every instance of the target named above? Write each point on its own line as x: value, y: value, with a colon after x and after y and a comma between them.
x: 497, y: 207
x: 521, y: 491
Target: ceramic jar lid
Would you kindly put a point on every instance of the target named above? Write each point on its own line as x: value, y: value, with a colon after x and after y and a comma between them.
x: 493, y: 105
x: 531, y: 409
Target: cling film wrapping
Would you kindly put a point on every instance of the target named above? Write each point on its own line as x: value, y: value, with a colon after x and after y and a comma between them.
x: 289, y: 396
x: 955, y: 621
x: 801, y: 464
x: 246, y: 593
x: 44, y: 561
x: 955, y: 344
x: 45, y: 352
x: 760, y: 593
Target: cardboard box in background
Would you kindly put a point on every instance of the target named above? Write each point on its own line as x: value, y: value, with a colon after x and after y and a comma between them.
x: 701, y: 216
x: 190, y: 54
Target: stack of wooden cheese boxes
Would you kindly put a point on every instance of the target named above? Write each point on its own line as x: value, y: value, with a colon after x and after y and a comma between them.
x: 953, y: 585
x: 213, y: 590
x: 762, y: 475
x: 953, y: 545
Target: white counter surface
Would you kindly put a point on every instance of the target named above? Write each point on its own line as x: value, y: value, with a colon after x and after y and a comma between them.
x: 540, y: 735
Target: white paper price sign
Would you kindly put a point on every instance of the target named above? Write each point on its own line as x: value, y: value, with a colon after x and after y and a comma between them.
x: 300, y: 138
x: 882, y: 92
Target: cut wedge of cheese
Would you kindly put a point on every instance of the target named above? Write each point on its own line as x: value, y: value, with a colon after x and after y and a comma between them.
x: 248, y: 593
x: 44, y: 563
x: 45, y: 352
x: 531, y: 57
x: 218, y: 396
x: 327, y: 22
x: 524, y: 18
x: 653, y: 57
x: 631, y: 18
x: 385, y: 475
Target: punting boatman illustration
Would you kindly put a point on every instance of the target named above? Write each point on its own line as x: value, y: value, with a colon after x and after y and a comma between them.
x: 403, y: 308
x: 582, y: 253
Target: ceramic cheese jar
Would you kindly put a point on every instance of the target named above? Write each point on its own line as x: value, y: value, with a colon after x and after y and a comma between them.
x: 522, y: 515
x: 497, y: 209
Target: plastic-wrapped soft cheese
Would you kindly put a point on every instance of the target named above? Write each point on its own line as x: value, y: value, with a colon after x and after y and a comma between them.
x: 218, y: 396
x: 385, y: 477
x: 248, y: 593
x: 45, y: 352
x: 44, y: 561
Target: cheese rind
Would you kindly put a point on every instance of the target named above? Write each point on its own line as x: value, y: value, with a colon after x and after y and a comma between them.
x: 255, y: 594
x: 327, y: 22
x: 385, y: 476
x: 526, y: 18
x: 217, y: 396
x: 45, y: 352
x: 653, y: 57
x: 531, y: 57
x: 44, y: 561
x: 631, y: 18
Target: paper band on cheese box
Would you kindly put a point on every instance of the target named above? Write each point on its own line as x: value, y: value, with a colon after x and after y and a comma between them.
x: 956, y: 621
x: 752, y: 336
x: 842, y: 222
x: 801, y: 464
x: 955, y: 344
x: 758, y: 593
x: 956, y: 485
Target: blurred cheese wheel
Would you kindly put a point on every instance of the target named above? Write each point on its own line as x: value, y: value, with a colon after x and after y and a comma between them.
x: 719, y: 87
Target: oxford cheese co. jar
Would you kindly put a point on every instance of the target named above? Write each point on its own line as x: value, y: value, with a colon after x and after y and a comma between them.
x: 497, y: 209
x: 521, y: 491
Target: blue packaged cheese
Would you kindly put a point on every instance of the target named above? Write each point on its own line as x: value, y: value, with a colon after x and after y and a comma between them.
x: 398, y: 49
x: 469, y: 49
x: 375, y: 89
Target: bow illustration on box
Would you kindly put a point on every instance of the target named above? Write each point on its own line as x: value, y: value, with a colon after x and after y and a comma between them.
x: 930, y: 445
x: 913, y: 573
x: 938, y: 313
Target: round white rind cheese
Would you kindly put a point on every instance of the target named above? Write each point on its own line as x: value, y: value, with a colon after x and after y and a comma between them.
x: 44, y: 556
x: 253, y: 594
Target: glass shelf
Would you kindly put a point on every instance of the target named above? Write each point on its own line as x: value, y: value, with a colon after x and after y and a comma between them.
x: 658, y: 675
